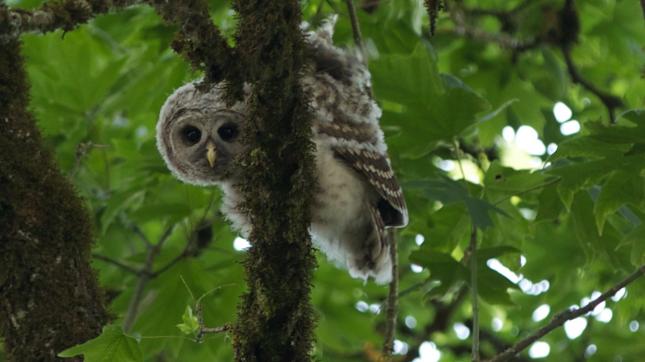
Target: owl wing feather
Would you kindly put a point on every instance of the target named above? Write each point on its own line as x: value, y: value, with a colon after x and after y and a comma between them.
x: 376, y: 169
x: 348, y: 117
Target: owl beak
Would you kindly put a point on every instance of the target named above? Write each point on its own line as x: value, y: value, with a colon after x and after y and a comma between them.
x: 211, y: 155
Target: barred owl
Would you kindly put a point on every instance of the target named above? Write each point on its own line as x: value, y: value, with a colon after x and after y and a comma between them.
x: 358, y: 195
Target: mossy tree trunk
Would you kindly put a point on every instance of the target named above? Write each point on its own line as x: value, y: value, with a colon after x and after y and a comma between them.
x: 49, y: 298
x: 275, y: 321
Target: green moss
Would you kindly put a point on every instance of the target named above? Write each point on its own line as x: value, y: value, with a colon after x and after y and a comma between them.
x: 49, y: 299
x: 275, y: 319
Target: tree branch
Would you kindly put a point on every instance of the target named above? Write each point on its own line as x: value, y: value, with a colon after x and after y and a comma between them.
x: 145, y: 276
x: 392, y: 299
x: 356, y: 29
x: 203, y: 330
x: 198, y: 39
x: 433, y: 7
x: 560, y: 318
x: 116, y: 263
x: 51, y: 16
x: 49, y: 295
x: 504, y: 40
x: 610, y: 101
x: 275, y: 317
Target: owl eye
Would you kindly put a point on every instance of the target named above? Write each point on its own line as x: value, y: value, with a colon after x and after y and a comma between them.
x: 227, y: 132
x: 191, y: 134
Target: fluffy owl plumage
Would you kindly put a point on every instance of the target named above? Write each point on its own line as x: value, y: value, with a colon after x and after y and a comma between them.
x: 357, y: 197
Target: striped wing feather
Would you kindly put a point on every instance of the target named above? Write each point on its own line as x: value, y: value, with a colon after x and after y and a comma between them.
x: 378, y: 172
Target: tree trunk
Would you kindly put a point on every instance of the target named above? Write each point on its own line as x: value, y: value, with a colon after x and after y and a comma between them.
x: 49, y: 298
x: 275, y: 321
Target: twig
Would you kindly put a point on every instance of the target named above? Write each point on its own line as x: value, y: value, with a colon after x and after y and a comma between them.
x: 170, y: 264
x: 220, y: 329
x: 502, y: 39
x: 203, y: 330
x: 560, y: 318
x: 392, y: 299
x: 473, y: 291
x: 137, y: 230
x: 610, y: 101
x: 643, y: 6
x: 116, y: 263
x: 356, y: 29
x: 144, y: 278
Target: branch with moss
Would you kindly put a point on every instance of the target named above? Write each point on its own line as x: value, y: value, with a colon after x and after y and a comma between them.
x: 198, y: 39
x: 49, y: 296
x: 433, y: 7
x: 54, y: 15
x: 275, y: 317
x: 569, y: 314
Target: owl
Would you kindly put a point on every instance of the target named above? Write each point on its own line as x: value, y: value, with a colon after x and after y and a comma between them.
x: 357, y: 195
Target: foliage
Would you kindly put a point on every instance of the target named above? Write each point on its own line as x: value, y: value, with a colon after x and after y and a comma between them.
x: 564, y: 225
x: 111, y: 345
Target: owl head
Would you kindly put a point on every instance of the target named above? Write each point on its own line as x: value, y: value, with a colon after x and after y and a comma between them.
x: 198, y: 136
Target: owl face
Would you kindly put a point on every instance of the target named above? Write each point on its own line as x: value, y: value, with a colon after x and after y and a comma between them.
x: 199, y: 142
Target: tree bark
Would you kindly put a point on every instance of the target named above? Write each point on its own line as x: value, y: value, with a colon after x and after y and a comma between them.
x: 275, y: 320
x: 49, y: 298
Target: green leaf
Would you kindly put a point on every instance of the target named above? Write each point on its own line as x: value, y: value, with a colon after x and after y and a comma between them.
x: 496, y: 111
x: 118, y: 203
x: 493, y: 287
x: 190, y: 323
x: 449, y: 191
x: 507, y: 180
x: 636, y: 239
x: 621, y: 187
x: 111, y: 345
x: 590, y: 147
x: 579, y: 175
x: 443, y: 268
x: 484, y: 254
x: 427, y: 106
x: 448, y: 226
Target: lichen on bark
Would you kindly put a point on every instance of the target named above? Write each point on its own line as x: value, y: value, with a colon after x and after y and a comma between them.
x: 49, y: 298
x: 275, y: 317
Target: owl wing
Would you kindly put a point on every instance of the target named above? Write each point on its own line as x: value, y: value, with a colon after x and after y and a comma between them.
x: 347, y: 117
x: 376, y: 169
